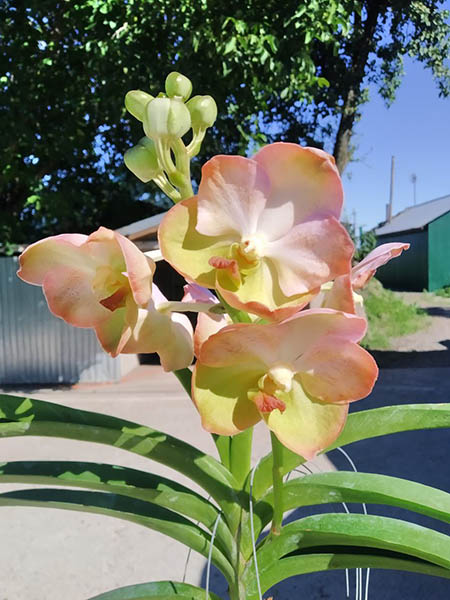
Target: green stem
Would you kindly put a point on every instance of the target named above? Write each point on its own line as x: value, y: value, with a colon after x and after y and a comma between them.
x: 277, y: 475
x: 223, y: 447
x: 194, y: 146
x: 184, y: 169
x: 241, y: 454
x: 237, y: 316
x: 184, y: 376
x: 164, y: 185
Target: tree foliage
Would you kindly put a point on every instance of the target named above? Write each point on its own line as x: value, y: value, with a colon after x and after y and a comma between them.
x: 66, y: 66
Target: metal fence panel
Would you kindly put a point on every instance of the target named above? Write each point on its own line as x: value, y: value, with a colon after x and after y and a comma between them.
x: 36, y: 347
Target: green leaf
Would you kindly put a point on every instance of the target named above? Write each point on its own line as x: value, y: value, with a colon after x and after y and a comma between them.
x: 310, y: 563
x: 126, y: 482
x: 323, y: 488
x: 148, y: 515
x: 157, y: 589
x: 230, y: 46
x: 363, y: 425
x: 25, y: 416
x: 367, y: 531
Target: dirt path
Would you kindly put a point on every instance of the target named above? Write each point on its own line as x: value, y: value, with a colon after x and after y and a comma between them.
x: 434, y: 337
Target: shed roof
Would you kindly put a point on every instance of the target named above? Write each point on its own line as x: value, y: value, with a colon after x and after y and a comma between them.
x: 416, y: 217
x: 143, y: 228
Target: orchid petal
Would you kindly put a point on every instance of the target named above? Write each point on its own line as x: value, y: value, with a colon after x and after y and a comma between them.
x: 208, y: 325
x: 306, y: 257
x: 187, y: 250
x: 231, y: 196
x: 170, y: 335
x: 113, y: 333
x: 220, y: 395
x: 336, y: 370
x: 260, y: 293
x: 363, y: 271
x: 337, y: 295
x: 306, y: 426
x: 69, y: 296
x: 197, y: 293
x: 251, y: 346
x: 305, y: 178
x: 140, y: 270
x: 49, y: 253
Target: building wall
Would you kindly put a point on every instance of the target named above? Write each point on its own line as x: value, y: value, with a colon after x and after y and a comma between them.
x: 439, y: 252
x: 410, y: 270
x: 38, y: 348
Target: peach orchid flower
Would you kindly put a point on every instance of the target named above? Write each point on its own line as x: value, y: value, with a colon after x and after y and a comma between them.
x: 103, y: 281
x: 264, y: 232
x: 340, y: 294
x: 298, y: 376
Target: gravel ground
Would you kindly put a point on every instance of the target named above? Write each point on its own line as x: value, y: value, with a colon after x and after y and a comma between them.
x: 434, y: 337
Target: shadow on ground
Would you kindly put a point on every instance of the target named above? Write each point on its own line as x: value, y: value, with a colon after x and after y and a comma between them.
x: 437, y: 311
x: 390, y: 359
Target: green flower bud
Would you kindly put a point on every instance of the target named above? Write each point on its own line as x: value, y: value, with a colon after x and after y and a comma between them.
x: 203, y: 111
x: 142, y: 160
x: 166, y: 117
x: 135, y: 103
x: 177, y: 85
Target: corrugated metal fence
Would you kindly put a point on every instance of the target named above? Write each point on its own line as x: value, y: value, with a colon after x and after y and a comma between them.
x: 36, y: 347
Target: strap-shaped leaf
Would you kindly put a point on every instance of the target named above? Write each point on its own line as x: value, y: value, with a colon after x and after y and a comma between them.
x: 323, y: 561
x: 27, y: 416
x: 363, y: 425
x: 367, y: 531
x: 161, y: 590
x: 128, y: 509
x: 125, y: 481
x: 343, y: 486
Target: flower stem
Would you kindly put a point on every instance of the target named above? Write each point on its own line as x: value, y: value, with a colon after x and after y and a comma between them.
x: 277, y: 475
x: 241, y: 454
x: 184, y: 376
x: 237, y: 316
x: 223, y: 448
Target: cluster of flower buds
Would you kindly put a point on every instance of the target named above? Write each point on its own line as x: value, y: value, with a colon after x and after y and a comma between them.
x: 161, y: 155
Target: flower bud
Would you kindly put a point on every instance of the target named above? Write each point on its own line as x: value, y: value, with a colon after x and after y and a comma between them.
x: 203, y: 111
x: 166, y: 117
x: 135, y: 103
x: 178, y: 85
x: 142, y: 160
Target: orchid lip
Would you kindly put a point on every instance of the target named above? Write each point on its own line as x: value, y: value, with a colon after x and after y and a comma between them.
x: 277, y: 379
x: 251, y: 248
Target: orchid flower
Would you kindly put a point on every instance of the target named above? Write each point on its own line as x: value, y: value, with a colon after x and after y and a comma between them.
x: 298, y: 376
x: 264, y: 232
x: 103, y: 281
x: 340, y: 294
x: 207, y: 323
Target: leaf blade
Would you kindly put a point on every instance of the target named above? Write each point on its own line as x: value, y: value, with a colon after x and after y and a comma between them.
x: 124, y: 481
x: 312, y: 563
x: 157, y: 589
x: 348, y: 486
x: 363, y: 425
x: 26, y: 416
x: 150, y: 516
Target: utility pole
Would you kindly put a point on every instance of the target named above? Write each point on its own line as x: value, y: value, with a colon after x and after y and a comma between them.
x: 391, y: 193
x: 413, y: 181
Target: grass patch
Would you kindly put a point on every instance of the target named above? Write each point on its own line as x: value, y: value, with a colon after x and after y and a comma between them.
x: 389, y: 316
x: 443, y: 292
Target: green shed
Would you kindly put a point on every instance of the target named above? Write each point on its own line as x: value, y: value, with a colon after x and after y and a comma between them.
x: 426, y: 265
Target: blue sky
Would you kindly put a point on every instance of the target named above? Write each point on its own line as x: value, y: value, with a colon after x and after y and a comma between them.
x: 416, y: 130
